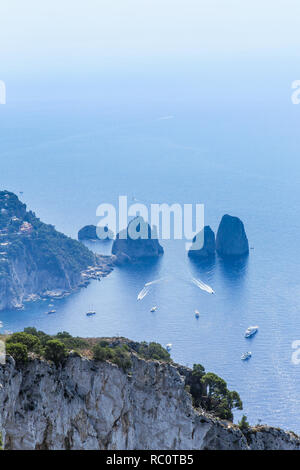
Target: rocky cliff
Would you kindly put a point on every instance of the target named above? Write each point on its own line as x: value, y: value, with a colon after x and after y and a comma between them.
x: 231, y: 237
x: 203, y: 245
x: 139, y: 241
x: 36, y: 260
x: 96, y: 405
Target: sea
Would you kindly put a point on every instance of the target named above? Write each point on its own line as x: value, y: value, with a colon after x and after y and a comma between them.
x: 222, y: 133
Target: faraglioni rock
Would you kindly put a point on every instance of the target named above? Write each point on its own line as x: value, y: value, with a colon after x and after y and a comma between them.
x: 231, y: 237
x: 38, y: 261
x: 206, y: 238
x: 137, y: 242
x: 91, y: 232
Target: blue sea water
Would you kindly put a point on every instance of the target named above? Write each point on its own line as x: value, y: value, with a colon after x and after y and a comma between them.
x: 230, y: 142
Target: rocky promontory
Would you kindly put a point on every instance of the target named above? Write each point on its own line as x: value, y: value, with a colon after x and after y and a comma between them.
x: 93, y: 404
x: 203, y: 245
x: 231, y: 237
x: 38, y: 261
x: 137, y: 242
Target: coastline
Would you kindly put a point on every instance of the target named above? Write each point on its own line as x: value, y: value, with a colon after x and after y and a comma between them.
x: 97, y: 272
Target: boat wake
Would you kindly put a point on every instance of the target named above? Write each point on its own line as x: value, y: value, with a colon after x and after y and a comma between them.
x: 143, y: 293
x: 202, y: 286
x: 156, y: 281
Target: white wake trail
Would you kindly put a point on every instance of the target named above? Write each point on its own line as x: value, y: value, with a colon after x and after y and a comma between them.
x: 203, y: 286
x: 143, y: 293
x: 156, y: 281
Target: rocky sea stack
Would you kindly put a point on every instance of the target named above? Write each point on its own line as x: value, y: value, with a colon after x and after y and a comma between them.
x: 90, y: 232
x: 38, y: 261
x: 206, y: 238
x: 137, y: 242
x: 231, y: 237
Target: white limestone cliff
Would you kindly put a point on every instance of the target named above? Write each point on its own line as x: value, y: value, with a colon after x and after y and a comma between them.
x: 92, y: 405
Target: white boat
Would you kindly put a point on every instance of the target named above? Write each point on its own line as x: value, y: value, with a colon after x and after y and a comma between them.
x: 197, y: 313
x: 169, y: 346
x: 50, y: 312
x: 90, y: 313
x: 153, y: 309
x: 143, y: 293
x: 246, y: 356
x: 203, y: 286
x: 252, y: 330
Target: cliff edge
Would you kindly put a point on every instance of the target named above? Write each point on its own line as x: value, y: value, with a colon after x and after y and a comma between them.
x: 97, y: 405
x: 38, y: 261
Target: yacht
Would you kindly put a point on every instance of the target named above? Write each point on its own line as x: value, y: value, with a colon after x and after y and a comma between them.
x: 90, y: 312
x: 50, y: 312
x: 251, y: 331
x: 169, y: 346
x: 153, y: 309
x: 246, y: 356
x: 197, y: 313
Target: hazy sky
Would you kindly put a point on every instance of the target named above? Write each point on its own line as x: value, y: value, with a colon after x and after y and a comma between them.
x: 48, y: 46
x: 79, y: 31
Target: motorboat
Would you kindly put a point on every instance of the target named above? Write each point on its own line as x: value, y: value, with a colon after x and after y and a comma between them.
x: 245, y: 356
x: 153, y: 309
x: 90, y: 313
x: 197, y: 313
x: 252, y: 330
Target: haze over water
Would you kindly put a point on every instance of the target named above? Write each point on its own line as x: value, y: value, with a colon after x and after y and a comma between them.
x: 217, y: 129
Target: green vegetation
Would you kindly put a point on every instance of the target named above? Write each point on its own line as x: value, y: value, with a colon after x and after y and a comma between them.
x: 18, y: 351
x: 42, y: 337
x: 55, y: 351
x: 118, y: 355
x: 153, y: 351
x: 210, y: 392
x: 52, y: 251
x: 52, y: 348
x: 243, y: 424
x: 220, y: 399
x: 31, y: 342
x: 70, y: 341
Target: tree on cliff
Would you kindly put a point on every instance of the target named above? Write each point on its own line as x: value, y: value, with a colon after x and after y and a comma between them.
x: 18, y: 351
x: 55, y: 351
x: 220, y: 400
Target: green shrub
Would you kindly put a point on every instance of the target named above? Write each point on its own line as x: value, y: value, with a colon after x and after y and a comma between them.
x: 243, y: 424
x: 198, y: 370
x: 101, y: 353
x: 118, y: 355
x: 43, y: 337
x: 220, y: 400
x: 55, y: 351
x: 70, y: 341
x: 122, y: 358
x: 154, y: 351
x: 18, y: 351
x: 31, y: 342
